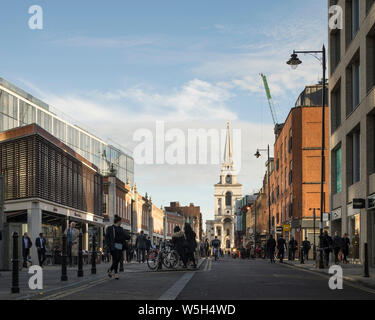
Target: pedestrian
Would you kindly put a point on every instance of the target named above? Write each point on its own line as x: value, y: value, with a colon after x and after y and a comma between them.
x: 116, y: 240
x: 26, y: 246
x: 306, y: 246
x: 293, y: 245
x: 337, y: 245
x: 345, y: 247
x: 190, y: 244
x: 271, y: 245
x: 72, y: 240
x: 148, y: 245
x: 281, y: 247
x: 206, y: 248
x: 40, y: 244
x: 178, y: 239
x: 140, y: 244
x: 326, y: 246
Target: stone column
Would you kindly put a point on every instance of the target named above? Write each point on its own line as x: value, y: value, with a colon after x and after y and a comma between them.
x: 34, y: 227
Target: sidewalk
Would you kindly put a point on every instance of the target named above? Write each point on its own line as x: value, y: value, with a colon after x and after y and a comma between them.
x: 351, y: 272
x: 52, y: 282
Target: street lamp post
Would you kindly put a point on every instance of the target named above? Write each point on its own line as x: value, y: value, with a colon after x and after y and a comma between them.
x: 294, y: 61
x: 257, y: 155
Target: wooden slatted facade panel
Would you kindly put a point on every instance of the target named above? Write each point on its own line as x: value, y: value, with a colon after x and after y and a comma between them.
x: 34, y: 167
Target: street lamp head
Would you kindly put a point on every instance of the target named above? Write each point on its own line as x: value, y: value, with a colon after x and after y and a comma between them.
x: 257, y: 154
x: 294, y: 61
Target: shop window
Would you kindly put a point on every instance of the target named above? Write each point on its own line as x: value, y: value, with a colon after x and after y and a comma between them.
x: 336, y: 170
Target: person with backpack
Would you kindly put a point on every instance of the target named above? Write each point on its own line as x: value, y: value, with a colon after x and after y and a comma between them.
x: 215, y: 247
x: 306, y: 246
x: 116, y: 240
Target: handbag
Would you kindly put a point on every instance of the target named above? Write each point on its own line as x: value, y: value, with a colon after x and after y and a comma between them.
x: 117, y: 245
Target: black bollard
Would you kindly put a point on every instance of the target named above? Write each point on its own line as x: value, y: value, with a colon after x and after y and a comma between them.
x: 64, y: 276
x: 366, y: 272
x: 93, y: 255
x: 80, y: 256
x: 15, y: 261
x: 301, y: 255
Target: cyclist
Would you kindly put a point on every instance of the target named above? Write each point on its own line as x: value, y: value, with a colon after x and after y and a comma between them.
x: 215, y: 247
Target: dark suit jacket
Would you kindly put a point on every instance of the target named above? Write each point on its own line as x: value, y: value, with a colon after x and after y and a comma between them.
x: 39, y: 242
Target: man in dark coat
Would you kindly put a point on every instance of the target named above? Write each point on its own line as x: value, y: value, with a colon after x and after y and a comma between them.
x: 281, y: 247
x: 293, y: 245
x: 345, y: 247
x: 40, y: 244
x: 337, y: 245
x: 140, y: 244
x: 26, y: 245
x: 271, y: 245
x: 190, y: 244
x: 326, y: 246
x: 148, y: 245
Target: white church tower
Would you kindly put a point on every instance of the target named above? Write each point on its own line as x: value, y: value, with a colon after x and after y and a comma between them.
x: 226, y: 193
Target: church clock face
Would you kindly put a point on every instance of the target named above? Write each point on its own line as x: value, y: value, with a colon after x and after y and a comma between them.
x: 228, y: 179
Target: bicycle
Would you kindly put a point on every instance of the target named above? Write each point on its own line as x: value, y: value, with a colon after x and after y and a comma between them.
x: 164, y: 256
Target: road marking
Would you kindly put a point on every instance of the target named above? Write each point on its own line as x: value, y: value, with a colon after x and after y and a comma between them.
x: 179, y: 285
x: 355, y: 286
x: 74, y: 290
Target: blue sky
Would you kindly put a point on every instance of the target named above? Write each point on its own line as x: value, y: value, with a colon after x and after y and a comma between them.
x: 119, y: 65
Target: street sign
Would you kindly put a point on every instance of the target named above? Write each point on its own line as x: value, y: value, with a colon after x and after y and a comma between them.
x: 359, y: 203
x: 286, y: 227
x: 279, y: 229
x: 325, y: 216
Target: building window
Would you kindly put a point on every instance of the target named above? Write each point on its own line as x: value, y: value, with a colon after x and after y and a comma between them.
x: 353, y: 77
x: 353, y: 156
x: 336, y: 107
x: 370, y: 59
x: 336, y: 170
x: 371, y: 142
x: 369, y: 4
x: 335, y: 49
x: 352, y: 19
x: 228, y: 198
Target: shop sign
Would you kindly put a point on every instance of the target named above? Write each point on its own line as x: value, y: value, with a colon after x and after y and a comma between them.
x: 279, y: 229
x: 359, y: 203
x: 371, y: 202
x: 336, y: 214
x: 325, y: 216
x: 286, y: 227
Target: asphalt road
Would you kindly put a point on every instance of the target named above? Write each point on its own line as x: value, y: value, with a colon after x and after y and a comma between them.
x: 226, y: 279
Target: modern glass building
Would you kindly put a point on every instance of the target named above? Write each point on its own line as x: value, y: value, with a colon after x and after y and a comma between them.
x: 19, y: 108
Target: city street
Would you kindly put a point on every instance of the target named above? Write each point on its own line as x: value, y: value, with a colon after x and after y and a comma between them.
x: 226, y: 279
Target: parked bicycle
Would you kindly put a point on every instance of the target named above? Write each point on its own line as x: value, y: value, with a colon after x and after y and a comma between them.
x: 165, y: 256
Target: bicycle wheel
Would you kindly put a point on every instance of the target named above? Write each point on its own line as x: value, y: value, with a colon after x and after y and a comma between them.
x: 170, y: 259
x: 152, y: 260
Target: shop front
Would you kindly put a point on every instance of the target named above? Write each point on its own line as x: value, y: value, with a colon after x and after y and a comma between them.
x: 354, y: 231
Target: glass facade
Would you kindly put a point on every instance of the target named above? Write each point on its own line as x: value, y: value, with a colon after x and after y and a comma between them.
x: 18, y: 109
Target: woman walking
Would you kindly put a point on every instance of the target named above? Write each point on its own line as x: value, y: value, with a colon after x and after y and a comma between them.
x: 116, y: 241
x: 190, y: 244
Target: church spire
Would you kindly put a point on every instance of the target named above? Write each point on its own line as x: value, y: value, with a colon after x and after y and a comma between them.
x: 228, y: 153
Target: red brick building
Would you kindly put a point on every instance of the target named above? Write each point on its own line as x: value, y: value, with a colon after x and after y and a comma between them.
x: 296, y: 171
